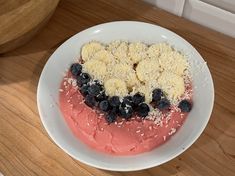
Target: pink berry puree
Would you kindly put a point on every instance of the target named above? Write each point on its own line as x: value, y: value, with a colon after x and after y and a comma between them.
x: 119, y: 138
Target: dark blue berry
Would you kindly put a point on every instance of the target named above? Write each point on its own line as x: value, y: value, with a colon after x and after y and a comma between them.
x: 84, y: 89
x: 128, y: 100
x: 97, y: 82
x: 114, y: 101
x: 115, y: 110
x: 163, y: 104
x: 143, y: 110
x: 101, y: 96
x: 157, y: 95
x: 83, y: 78
x: 94, y: 90
x: 185, y: 106
x: 138, y: 98
x: 90, y: 100
x: 76, y: 69
x: 104, y: 105
x: 111, y: 117
x: 125, y: 111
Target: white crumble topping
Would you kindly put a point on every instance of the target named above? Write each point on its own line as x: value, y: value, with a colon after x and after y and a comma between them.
x: 72, y: 82
x: 117, y: 60
x: 120, y: 123
x: 172, y: 131
x: 82, y: 102
x: 156, y: 116
x: 181, y: 115
x: 61, y: 90
x: 168, y: 117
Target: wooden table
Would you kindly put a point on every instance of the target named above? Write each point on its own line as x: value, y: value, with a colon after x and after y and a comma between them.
x: 26, y: 149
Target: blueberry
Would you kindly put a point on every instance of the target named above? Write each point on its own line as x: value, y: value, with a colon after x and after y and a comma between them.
x: 114, y: 101
x: 94, y: 90
x: 143, y: 110
x: 97, y: 82
x: 157, y: 95
x: 128, y: 100
x: 83, y: 78
x: 101, y: 96
x: 138, y: 98
x: 125, y: 111
x: 90, y: 100
x: 115, y: 110
x: 111, y: 117
x: 84, y: 89
x: 104, y: 105
x: 185, y: 106
x: 76, y: 69
x: 163, y: 104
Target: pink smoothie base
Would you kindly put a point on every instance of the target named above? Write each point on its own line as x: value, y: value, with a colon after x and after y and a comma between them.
x: 121, y: 138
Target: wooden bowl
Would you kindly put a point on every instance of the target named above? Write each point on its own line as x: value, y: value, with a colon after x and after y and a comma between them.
x: 21, y: 19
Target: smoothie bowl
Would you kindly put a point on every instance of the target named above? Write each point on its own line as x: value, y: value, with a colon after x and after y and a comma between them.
x: 121, y: 93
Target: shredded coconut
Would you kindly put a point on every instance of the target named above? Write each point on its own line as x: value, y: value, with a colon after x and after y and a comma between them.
x: 172, y: 131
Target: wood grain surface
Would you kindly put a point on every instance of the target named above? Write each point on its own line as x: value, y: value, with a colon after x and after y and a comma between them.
x: 26, y: 149
x: 21, y: 19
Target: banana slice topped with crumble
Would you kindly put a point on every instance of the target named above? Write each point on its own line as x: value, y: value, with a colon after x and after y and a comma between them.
x: 124, y: 68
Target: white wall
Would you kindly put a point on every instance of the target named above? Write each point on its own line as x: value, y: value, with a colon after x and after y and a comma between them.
x: 215, y: 14
x: 173, y: 6
x: 210, y: 16
x: 228, y: 5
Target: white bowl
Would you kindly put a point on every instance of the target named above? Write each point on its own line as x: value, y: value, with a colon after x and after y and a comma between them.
x: 64, y: 56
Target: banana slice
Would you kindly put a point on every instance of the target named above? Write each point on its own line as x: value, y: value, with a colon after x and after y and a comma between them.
x: 137, y: 52
x: 126, y: 73
x: 172, y: 85
x: 115, y: 87
x: 155, y: 50
x: 119, y: 49
x: 148, y: 70
x: 173, y: 62
x: 96, y: 69
x: 104, y: 56
x: 89, y: 49
x: 112, y: 46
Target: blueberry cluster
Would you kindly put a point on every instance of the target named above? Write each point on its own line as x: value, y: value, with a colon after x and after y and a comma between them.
x: 162, y: 103
x: 159, y: 100
x: 94, y: 95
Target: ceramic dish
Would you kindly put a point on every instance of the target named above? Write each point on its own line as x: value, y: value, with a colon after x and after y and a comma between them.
x: 64, y: 56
